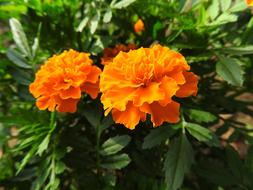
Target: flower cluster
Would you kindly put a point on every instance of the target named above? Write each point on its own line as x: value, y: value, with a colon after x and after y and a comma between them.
x: 134, y: 83
x: 144, y: 81
x: 110, y: 53
x: 59, y: 82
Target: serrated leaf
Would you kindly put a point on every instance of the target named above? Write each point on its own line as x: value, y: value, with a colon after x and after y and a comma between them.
x: 243, y: 50
x: 107, y: 16
x: 114, y: 145
x: 19, y: 37
x: 157, y: 136
x: 230, y: 70
x: 201, y: 116
x: 116, y: 161
x: 178, y: 162
x: 17, y: 59
x: 82, y: 24
x: 122, y: 4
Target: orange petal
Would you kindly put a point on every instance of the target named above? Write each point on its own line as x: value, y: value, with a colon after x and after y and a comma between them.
x: 169, y: 86
x: 190, y: 87
x: 178, y: 76
x: 148, y: 94
x: 91, y: 89
x: 72, y: 92
x: 92, y: 77
x: 46, y: 102
x: 118, y: 98
x: 42, y: 103
x: 130, y: 117
x: 160, y: 114
x: 68, y: 105
x: 250, y: 2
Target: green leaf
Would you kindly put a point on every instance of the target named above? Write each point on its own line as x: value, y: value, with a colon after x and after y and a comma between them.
x: 17, y: 59
x: 82, y: 24
x: 116, y: 161
x: 202, y: 134
x: 178, y: 162
x: 230, y: 70
x: 94, y: 23
x: 43, y: 145
x: 93, y: 114
x: 122, y: 4
x: 114, y: 145
x: 213, y: 9
x: 157, y: 136
x: 59, y: 167
x: 225, y: 4
x: 27, y: 158
x: 238, y: 6
x: 19, y: 37
x: 224, y: 19
x: 107, y: 16
x: 201, y: 116
x: 243, y: 50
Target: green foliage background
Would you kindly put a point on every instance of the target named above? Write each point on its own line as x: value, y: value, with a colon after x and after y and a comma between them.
x: 86, y: 150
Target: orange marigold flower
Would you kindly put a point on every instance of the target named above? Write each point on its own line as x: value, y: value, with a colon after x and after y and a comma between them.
x: 249, y: 2
x: 59, y: 82
x: 139, y: 26
x: 144, y: 81
x: 110, y: 53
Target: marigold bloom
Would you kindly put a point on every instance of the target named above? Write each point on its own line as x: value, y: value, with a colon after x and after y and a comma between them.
x: 110, y: 53
x: 59, y: 82
x: 249, y: 2
x: 142, y: 82
x: 139, y: 26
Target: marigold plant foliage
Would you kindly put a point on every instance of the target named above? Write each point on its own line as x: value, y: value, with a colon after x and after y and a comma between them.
x: 144, y: 81
x: 126, y: 95
x: 60, y: 82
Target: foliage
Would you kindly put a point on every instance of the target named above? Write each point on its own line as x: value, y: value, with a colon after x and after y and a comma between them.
x: 210, y: 148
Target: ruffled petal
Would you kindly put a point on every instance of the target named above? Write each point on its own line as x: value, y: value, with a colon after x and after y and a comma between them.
x: 91, y: 89
x: 72, y: 92
x: 118, y: 98
x: 169, y: 87
x: 160, y: 114
x: 190, y: 87
x: 68, y: 105
x: 92, y: 77
x: 148, y: 94
x: 130, y: 117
